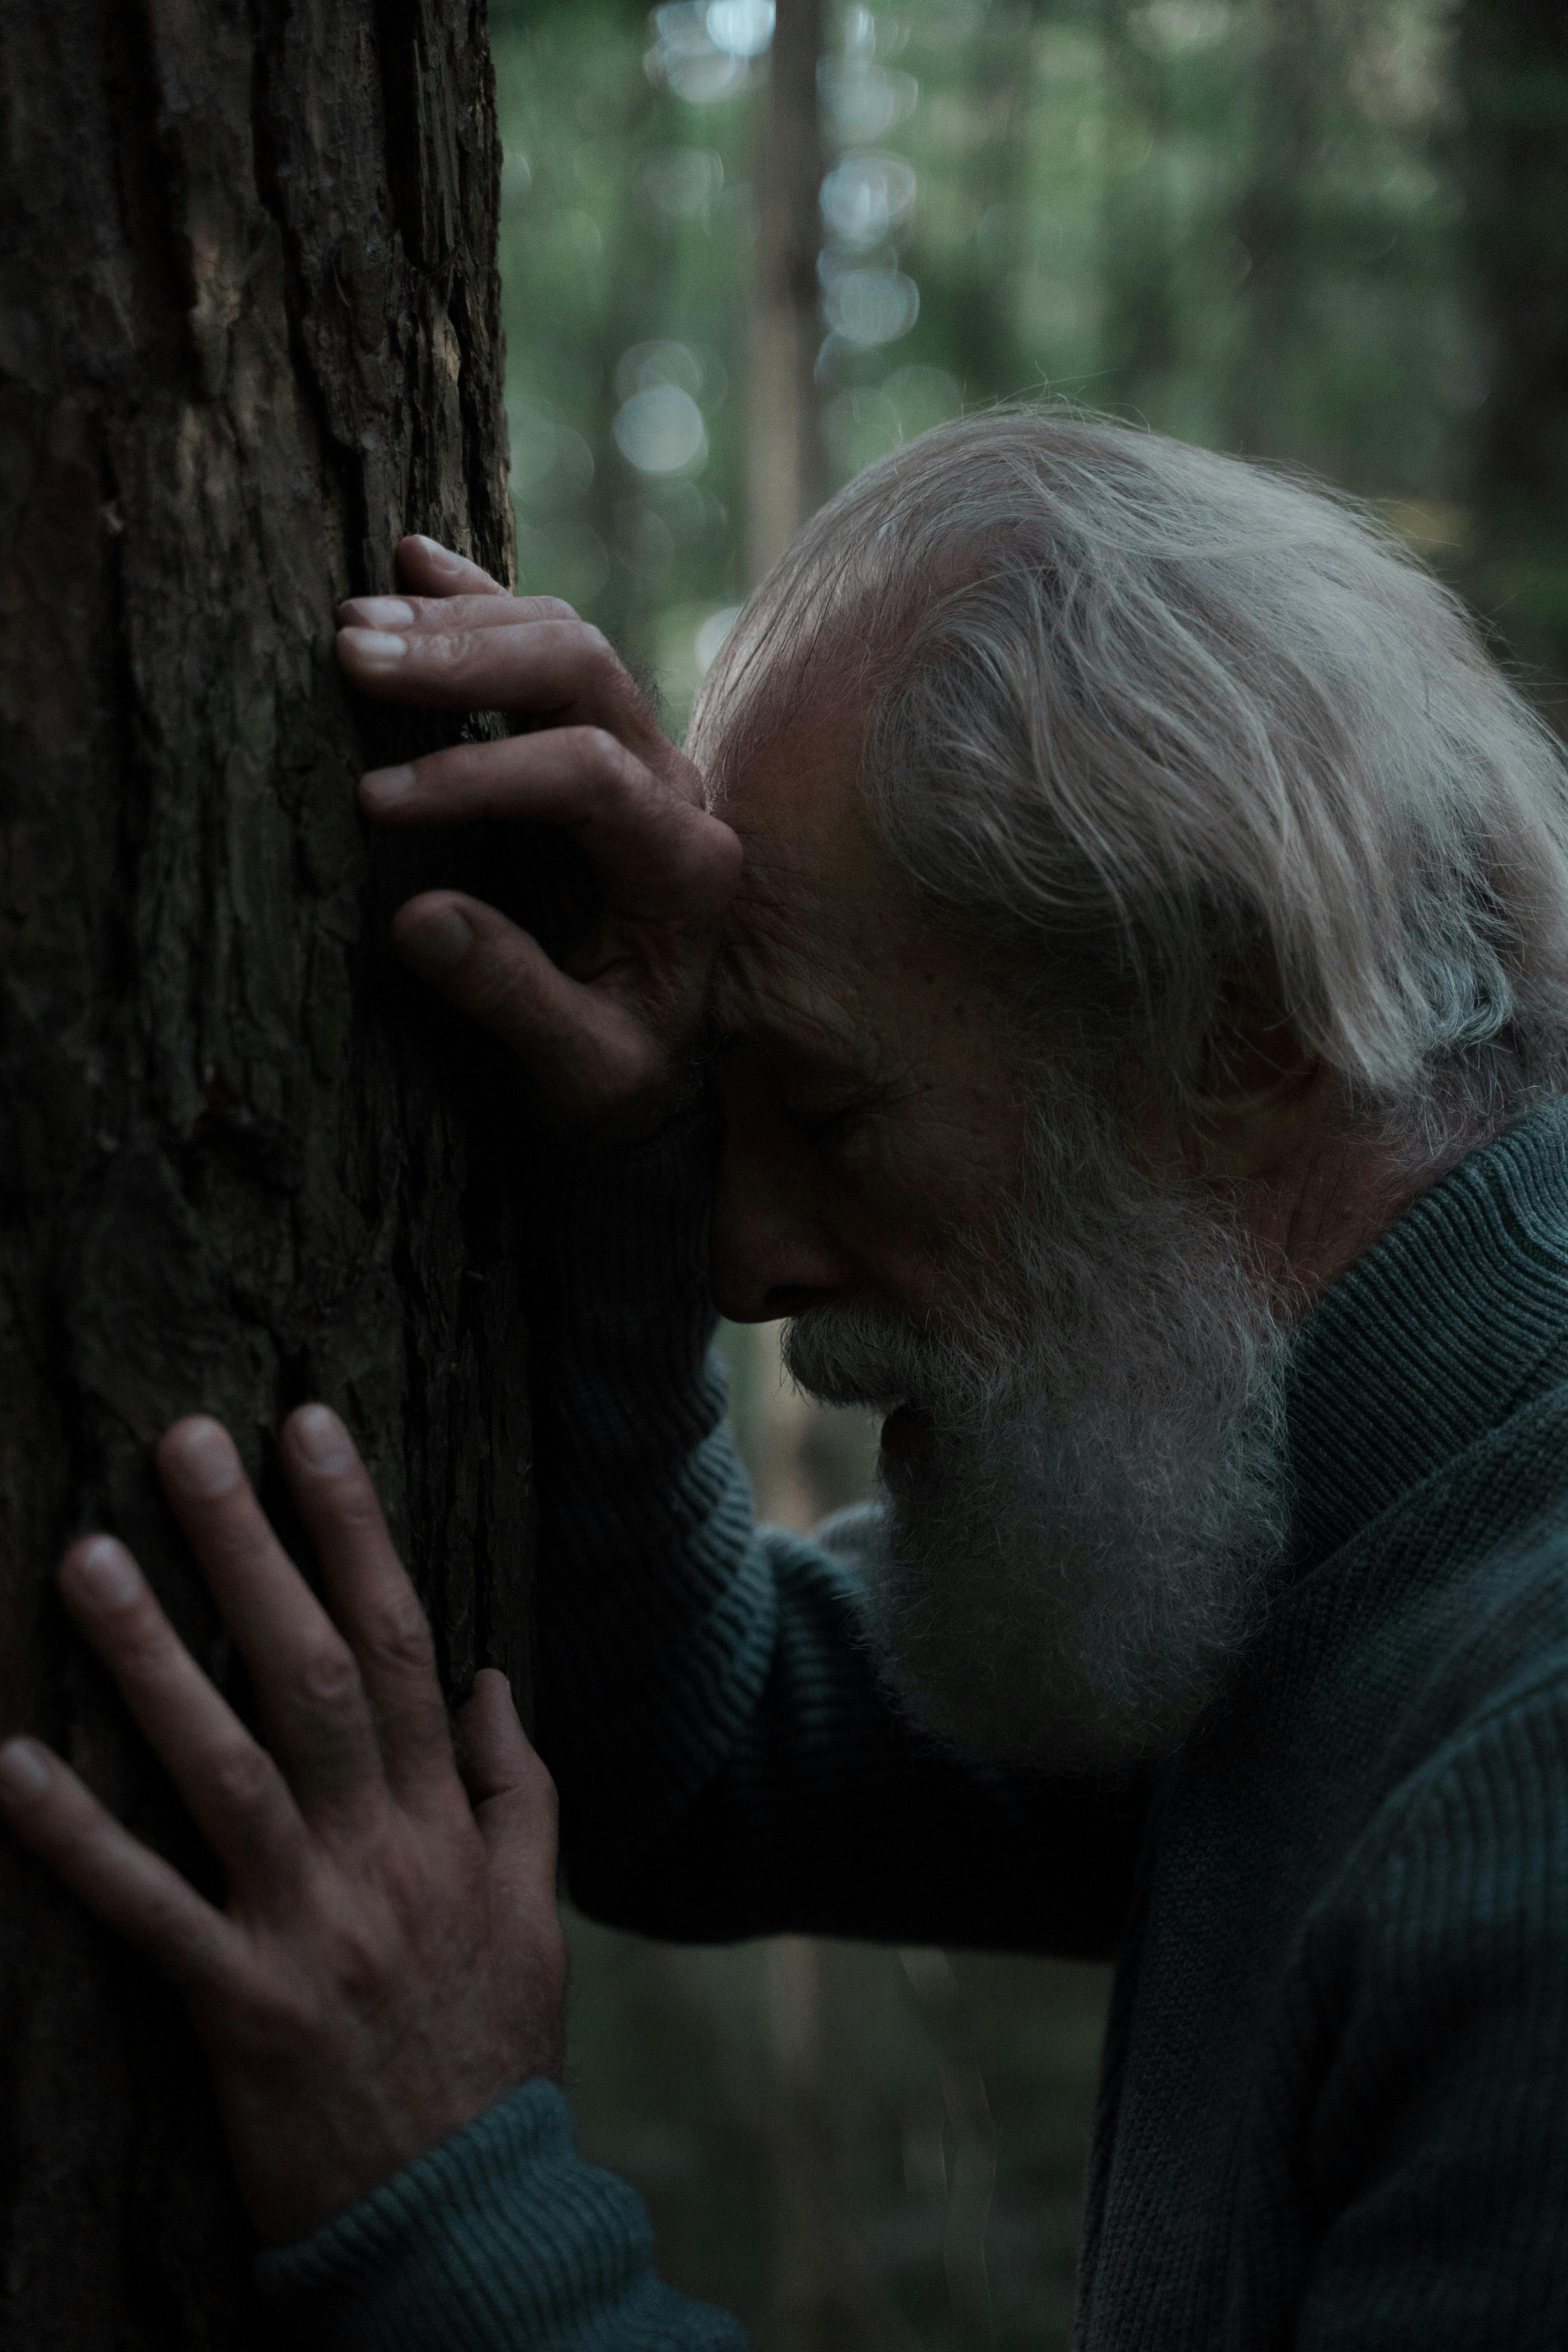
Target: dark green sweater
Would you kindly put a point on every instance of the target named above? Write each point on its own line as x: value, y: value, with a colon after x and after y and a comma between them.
x: 1334, y: 2107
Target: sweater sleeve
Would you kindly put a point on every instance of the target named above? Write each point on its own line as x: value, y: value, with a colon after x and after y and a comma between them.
x: 500, y: 2239
x: 1439, y: 2155
x: 728, y: 1762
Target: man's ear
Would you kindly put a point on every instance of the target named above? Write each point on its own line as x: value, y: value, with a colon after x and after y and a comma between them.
x: 1258, y: 1089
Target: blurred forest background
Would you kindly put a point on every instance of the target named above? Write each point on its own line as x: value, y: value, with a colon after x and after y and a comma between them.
x: 742, y: 257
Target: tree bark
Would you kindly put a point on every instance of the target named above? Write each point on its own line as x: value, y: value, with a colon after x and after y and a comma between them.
x: 250, y: 333
x: 1512, y: 79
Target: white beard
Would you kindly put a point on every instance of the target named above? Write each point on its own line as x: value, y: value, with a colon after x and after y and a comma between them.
x: 1076, y: 1554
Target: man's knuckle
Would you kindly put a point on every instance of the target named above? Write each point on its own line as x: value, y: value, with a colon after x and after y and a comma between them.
x: 361, y: 1962
x: 613, y: 777
x: 329, y: 1679
x: 243, y: 1778
x: 398, y: 1636
x: 276, y: 2015
x: 721, y: 849
x: 594, y: 645
x: 605, y: 757
x: 600, y: 664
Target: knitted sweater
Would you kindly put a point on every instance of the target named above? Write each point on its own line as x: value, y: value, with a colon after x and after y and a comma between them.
x: 1334, y: 2102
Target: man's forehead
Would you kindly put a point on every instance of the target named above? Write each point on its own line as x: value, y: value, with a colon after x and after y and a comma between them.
x: 793, y: 796
x: 792, y: 970
x: 827, y: 954
x: 817, y: 893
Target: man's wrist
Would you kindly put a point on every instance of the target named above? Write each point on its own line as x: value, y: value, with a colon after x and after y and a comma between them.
x: 498, y: 2236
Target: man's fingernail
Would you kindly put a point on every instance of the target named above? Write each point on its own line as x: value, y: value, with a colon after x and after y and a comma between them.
x: 321, y: 1438
x: 376, y: 645
x: 202, y: 1459
x: 104, y: 1571
x: 23, y: 1771
x: 441, y: 557
x: 383, y: 785
x: 381, y: 613
x: 440, y: 941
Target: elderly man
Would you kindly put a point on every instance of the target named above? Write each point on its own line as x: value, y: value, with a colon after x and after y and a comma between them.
x: 1122, y: 920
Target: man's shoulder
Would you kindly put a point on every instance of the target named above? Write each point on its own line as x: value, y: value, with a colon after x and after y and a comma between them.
x: 1456, y: 1596
x: 1512, y: 1637
x: 1507, y: 1650
x: 1474, y: 1733
x: 1498, y: 1632
x: 1378, y: 1674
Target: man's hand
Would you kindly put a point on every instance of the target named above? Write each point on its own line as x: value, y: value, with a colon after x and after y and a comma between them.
x: 390, y: 1962
x: 609, y: 1038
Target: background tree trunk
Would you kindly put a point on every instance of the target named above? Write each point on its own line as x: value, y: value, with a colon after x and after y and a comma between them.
x: 1143, y: 329
x: 250, y: 331
x: 788, y: 457
x: 1511, y: 81
x: 1274, y: 228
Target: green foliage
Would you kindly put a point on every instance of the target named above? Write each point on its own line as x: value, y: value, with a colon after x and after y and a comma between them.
x: 1238, y: 221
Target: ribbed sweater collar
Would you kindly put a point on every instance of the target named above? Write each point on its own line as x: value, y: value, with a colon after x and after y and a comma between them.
x: 1453, y: 1319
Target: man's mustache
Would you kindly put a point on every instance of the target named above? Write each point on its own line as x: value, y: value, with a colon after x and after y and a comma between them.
x: 838, y: 1355
x: 848, y: 1356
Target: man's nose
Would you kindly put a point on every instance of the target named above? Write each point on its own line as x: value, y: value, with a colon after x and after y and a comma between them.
x: 771, y: 1255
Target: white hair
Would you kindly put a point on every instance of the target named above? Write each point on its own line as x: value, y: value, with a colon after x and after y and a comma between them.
x: 1075, y: 1553
x: 1165, y: 718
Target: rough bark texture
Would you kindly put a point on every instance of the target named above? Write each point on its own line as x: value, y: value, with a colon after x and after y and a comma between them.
x: 248, y: 333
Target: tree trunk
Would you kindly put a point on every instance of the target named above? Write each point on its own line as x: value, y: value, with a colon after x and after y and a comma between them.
x: 1142, y: 339
x: 251, y: 334
x: 1512, y: 79
x: 1273, y: 226
x: 787, y: 455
